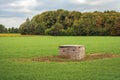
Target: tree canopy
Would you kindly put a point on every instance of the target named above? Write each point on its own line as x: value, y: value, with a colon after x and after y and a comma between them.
x: 3, y: 29
x: 73, y: 23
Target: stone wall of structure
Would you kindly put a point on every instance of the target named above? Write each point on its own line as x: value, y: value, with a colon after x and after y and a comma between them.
x: 75, y: 52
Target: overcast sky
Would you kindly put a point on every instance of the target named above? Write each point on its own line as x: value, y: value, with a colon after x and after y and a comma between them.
x: 15, y: 12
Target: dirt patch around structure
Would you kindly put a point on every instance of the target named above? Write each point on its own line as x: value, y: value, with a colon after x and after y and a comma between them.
x: 66, y: 59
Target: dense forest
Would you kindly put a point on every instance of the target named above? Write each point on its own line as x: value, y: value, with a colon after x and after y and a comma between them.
x: 73, y: 23
x: 3, y: 29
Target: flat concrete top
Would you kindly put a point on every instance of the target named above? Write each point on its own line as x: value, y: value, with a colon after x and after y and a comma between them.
x: 63, y: 46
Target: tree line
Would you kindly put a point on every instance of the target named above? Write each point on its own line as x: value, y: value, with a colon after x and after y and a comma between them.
x: 73, y: 23
x: 3, y: 29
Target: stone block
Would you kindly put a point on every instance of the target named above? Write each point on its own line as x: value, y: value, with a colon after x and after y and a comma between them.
x: 75, y: 52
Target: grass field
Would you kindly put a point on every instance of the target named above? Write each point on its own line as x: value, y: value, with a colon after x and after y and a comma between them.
x: 36, y: 46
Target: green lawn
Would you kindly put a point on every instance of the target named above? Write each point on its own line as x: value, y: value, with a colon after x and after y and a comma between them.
x: 35, y: 46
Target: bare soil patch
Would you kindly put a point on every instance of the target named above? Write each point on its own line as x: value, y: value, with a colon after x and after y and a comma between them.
x: 66, y: 59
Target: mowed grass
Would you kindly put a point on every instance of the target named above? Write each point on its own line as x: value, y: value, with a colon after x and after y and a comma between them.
x: 36, y: 46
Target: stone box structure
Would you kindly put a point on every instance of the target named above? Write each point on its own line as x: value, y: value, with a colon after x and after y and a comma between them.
x: 75, y: 52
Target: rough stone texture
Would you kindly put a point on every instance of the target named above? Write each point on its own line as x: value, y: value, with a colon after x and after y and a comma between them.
x: 75, y: 52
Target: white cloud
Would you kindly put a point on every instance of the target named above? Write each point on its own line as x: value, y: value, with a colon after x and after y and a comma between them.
x: 79, y: 1
x: 26, y: 6
x: 91, y: 2
x: 12, y: 21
